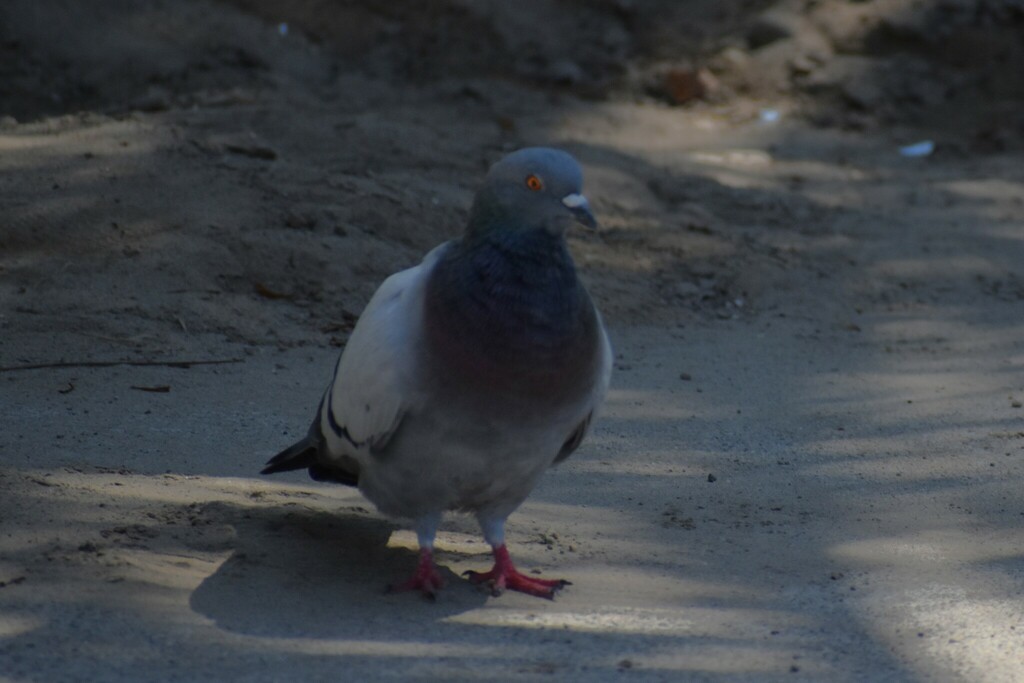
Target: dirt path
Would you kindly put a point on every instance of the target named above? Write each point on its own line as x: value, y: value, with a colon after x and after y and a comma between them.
x: 811, y: 463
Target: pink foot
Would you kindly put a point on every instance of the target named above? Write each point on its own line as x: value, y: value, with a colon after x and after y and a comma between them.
x: 505, y: 575
x: 425, y: 579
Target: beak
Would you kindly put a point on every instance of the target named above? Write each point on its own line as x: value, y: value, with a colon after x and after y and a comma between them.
x: 580, y: 209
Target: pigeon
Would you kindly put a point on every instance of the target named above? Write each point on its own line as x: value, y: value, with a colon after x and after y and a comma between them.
x: 469, y: 375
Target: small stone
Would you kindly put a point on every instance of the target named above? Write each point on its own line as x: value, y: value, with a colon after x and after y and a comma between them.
x: 863, y: 92
x: 155, y: 99
x: 771, y: 27
x: 685, y: 290
x: 565, y: 72
x: 299, y: 220
x: 242, y: 144
x: 683, y: 85
x: 712, y: 479
x: 732, y: 60
x: 802, y: 65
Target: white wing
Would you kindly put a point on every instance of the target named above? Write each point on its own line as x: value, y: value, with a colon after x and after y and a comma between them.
x: 372, y: 384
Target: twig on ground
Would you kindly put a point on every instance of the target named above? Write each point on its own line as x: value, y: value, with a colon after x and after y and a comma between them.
x: 110, y: 363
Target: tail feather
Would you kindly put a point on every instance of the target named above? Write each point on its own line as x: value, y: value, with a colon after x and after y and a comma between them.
x: 305, y: 454
x: 299, y: 455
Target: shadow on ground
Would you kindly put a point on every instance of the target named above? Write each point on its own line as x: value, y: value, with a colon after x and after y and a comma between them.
x: 300, y: 573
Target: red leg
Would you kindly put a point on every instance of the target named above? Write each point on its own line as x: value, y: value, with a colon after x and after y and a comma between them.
x: 425, y: 579
x: 505, y: 575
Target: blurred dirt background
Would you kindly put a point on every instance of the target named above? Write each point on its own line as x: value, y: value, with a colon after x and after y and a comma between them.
x: 200, y: 181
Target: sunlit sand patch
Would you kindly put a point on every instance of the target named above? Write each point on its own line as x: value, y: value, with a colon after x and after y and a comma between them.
x: 628, y: 404
x: 936, y: 546
x: 183, y: 489
x: 653, y: 622
x: 762, y: 663
x: 950, y: 619
x: 12, y: 625
x: 743, y: 158
x: 960, y: 266
x: 874, y: 461
x: 169, y: 570
x: 39, y: 142
x: 657, y: 468
x: 993, y: 189
x: 701, y: 622
x: 446, y: 541
x: 968, y: 633
x: 380, y: 648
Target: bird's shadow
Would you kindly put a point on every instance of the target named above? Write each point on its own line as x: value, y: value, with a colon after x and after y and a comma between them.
x: 297, y: 572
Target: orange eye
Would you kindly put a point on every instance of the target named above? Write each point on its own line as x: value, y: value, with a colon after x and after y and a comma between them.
x: 534, y: 183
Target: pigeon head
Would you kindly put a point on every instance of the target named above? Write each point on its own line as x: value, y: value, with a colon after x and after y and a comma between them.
x: 530, y: 189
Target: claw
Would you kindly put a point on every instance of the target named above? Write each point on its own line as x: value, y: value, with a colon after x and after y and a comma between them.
x: 425, y: 579
x: 504, y: 576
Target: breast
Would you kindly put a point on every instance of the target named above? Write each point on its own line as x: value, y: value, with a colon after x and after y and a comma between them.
x: 511, y: 343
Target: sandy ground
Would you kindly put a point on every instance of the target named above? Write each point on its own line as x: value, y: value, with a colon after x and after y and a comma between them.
x: 811, y: 462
